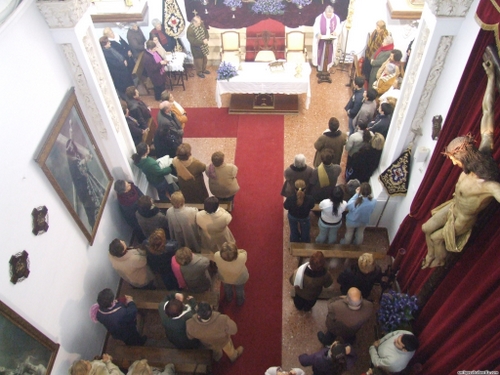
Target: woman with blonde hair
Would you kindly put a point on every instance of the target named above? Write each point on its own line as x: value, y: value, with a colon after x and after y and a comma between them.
x: 360, y: 208
x: 102, y: 366
x: 141, y: 367
x: 362, y: 275
x: 232, y: 271
x: 299, y: 206
x: 374, y: 43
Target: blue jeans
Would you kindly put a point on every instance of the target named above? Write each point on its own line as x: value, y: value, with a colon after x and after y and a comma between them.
x: 299, y: 229
x: 163, y: 188
x: 327, y: 231
x: 349, y: 232
x: 240, y: 293
x: 351, y: 126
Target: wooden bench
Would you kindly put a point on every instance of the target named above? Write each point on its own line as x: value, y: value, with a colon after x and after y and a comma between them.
x: 378, y: 250
x: 150, y: 299
x: 227, y: 205
x: 138, y: 70
x: 148, y: 136
x: 188, y: 361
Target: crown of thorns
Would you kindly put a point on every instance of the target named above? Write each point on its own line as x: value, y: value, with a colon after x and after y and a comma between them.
x: 460, y: 144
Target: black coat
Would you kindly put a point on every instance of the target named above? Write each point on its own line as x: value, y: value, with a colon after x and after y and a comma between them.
x: 119, y: 72
x: 139, y: 110
x: 168, y: 136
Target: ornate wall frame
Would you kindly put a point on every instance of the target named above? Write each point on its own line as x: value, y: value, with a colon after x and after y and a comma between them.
x: 75, y: 167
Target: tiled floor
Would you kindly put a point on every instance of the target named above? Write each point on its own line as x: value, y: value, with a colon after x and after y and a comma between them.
x: 301, y: 131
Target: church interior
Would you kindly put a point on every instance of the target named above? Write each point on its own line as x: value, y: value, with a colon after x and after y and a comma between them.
x: 51, y: 50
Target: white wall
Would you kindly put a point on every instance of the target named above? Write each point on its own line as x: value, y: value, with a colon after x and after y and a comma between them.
x: 464, y: 32
x: 66, y: 273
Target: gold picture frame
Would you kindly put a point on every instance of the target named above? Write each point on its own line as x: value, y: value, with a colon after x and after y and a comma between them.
x: 25, y: 350
x: 75, y: 167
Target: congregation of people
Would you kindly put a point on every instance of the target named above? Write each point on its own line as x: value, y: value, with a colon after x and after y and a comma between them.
x: 185, y: 250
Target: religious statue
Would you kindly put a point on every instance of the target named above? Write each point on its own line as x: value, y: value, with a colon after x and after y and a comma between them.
x: 451, y: 223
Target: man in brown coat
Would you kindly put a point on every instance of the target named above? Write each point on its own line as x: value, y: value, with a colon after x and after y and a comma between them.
x: 214, y: 330
x: 345, y: 317
x: 333, y: 139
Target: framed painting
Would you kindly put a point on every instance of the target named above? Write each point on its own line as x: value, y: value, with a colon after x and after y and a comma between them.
x: 23, y: 348
x: 75, y: 167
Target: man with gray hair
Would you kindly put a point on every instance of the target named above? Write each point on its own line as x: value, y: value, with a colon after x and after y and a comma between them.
x: 346, y: 315
x: 169, y: 134
x: 299, y: 170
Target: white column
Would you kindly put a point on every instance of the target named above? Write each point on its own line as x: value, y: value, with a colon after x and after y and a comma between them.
x: 72, y: 28
x: 447, y: 33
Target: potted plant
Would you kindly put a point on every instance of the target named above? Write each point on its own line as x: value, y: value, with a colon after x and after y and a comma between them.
x: 396, y: 311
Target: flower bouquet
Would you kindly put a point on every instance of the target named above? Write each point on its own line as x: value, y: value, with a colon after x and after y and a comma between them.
x: 396, y: 310
x: 301, y: 3
x: 233, y: 4
x: 269, y: 7
x: 226, y: 71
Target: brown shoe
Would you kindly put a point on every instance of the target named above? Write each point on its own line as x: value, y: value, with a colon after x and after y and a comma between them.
x: 239, y: 352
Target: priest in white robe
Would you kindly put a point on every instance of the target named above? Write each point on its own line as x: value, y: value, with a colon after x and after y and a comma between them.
x: 326, y: 24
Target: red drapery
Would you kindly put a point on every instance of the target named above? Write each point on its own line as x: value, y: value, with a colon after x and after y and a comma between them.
x: 275, y: 27
x: 488, y: 17
x: 459, y: 326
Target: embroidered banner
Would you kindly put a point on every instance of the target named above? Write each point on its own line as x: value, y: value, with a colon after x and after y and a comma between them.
x: 173, y: 19
x: 488, y: 17
x: 397, y: 177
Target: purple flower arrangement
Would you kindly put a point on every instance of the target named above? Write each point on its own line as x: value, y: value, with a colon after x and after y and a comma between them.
x: 301, y: 3
x: 226, y: 71
x: 233, y: 3
x: 396, y: 309
x: 268, y: 7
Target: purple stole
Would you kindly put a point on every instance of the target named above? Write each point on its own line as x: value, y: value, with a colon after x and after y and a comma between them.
x: 321, y: 43
x: 158, y: 59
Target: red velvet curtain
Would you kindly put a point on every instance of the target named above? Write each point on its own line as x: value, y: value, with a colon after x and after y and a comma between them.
x: 459, y: 326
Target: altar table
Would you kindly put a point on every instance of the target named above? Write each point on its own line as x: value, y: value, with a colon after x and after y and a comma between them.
x: 257, y: 78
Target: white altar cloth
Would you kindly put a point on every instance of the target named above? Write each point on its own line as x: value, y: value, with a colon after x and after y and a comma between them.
x: 256, y: 78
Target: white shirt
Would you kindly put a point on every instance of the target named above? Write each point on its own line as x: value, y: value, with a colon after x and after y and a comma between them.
x: 326, y: 207
x: 387, y: 356
x: 273, y: 371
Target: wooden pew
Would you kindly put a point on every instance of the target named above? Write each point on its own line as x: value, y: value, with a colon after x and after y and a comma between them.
x: 150, y: 299
x: 227, y: 205
x: 188, y: 361
x: 305, y: 250
x: 148, y: 136
x: 138, y: 71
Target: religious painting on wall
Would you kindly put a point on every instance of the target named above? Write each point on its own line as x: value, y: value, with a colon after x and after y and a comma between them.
x: 23, y: 348
x: 75, y: 167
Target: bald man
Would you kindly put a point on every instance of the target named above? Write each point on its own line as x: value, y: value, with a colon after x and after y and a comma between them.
x: 346, y: 315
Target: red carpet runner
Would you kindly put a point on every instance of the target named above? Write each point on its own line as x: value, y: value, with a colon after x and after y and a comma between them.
x: 258, y: 228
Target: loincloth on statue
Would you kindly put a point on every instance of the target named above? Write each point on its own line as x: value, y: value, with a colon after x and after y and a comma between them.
x: 452, y: 242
